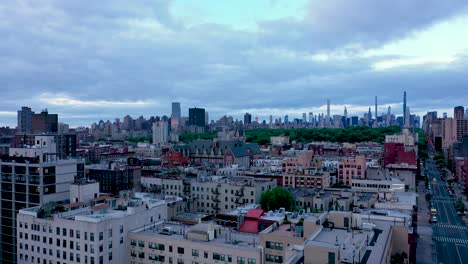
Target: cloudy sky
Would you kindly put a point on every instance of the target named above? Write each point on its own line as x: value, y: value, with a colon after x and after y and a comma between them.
x: 92, y: 60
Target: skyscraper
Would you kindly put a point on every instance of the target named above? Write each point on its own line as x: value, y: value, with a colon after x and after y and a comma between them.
x: 304, y: 118
x: 376, y: 114
x: 25, y: 120
x: 175, y: 116
x: 311, y: 117
x: 407, y: 117
x: 404, y: 108
x: 327, y: 121
x: 458, y: 112
x: 197, y: 117
x: 369, y: 117
x: 160, y: 132
x: 247, y: 119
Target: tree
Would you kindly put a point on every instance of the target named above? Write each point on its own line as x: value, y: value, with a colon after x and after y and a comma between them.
x: 276, y: 198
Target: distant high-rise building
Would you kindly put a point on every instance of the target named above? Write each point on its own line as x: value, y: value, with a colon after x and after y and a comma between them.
x: 466, y: 112
x: 376, y: 113
x: 369, y: 117
x: 128, y: 123
x: 345, y: 112
x: 444, y: 115
x: 207, y: 118
x: 304, y: 118
x: 160, y: 132
x: 175, y: 116
x: 197, y: 117
x: 327, y: 121
x: 25, y: 120
x: 459, y: 112
x: 247, y: 119
x: 404, y: 108
x: 44, y: 122
x: 406, y: 118
x: 311, y: 117
x: 286, y: 119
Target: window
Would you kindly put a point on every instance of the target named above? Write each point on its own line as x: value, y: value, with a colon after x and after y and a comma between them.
x: 78, y: 246
x: 101, y: 236
x: 240, y: 260
x: 91, y: 236
x: 195, y: 252
x: 110, y: 244
x: 71, y: 233
x: 78, y: 259
x: 110, y: 255
x: 170, y: 248
x: 133, y: 253
x: 121, y: 229
x: 205, y: 254
x: 64, y: 232
x: 141, y: 254
x: 273, y: 258
x: 101, y: 248
x: 71, y: 245
x: 121, y: 240
x: 180, y: 250
x: 133, y: 242
x: 110, y: 233
x: 251, y: 261
x: 180, y: 261
x: 274, y: 245
x: 77, y: 233
x: 141, y: 243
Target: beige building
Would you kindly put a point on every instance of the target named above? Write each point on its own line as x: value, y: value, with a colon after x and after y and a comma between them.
x: 227, y: 193
x: 351, y: 168
x: 449, y: 132
x: 78, y: 233
x: 165, y: 242
x: 316, y: 179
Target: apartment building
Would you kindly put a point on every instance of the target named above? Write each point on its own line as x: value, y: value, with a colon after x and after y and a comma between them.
x: 312, y: 179
x: 78, y: 233
x: 228, y: 193
x: 165, y: 242
x: 350, y: 168
x: 31, y: 177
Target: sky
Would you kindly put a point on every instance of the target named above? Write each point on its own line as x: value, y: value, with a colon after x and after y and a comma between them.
x: 92, y: 60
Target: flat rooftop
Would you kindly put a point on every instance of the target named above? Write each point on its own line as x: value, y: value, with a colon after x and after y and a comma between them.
x: 228, y: 237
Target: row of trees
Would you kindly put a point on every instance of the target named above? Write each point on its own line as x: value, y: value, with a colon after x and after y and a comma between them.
x: 350, y: 134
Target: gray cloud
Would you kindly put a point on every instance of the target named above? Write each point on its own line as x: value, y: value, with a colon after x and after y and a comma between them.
x: 114, y: 52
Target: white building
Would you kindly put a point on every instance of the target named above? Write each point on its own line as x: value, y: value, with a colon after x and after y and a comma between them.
x: 77, y: 233
x: 160, y: 132
x: 374, y: 185
x: 226, y: 194
x: 201, y: 243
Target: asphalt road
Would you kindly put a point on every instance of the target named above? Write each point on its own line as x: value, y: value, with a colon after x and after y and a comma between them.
x: 450, y: 233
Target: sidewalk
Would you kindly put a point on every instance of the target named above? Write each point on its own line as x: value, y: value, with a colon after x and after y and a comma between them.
x: 458, y: 189
x: 425, y: 244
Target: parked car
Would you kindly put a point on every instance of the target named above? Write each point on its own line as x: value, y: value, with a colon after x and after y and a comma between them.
x: 434, y: 219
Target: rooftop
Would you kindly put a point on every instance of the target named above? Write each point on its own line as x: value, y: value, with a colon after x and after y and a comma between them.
x: 227, y: 237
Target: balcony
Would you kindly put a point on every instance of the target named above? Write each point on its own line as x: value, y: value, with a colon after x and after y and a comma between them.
x: 240, y: 193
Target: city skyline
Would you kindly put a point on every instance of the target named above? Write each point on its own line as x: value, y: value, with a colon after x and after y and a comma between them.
x: 229, y: 60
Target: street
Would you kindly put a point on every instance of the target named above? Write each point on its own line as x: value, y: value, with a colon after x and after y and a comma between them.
x: 450, y: 233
